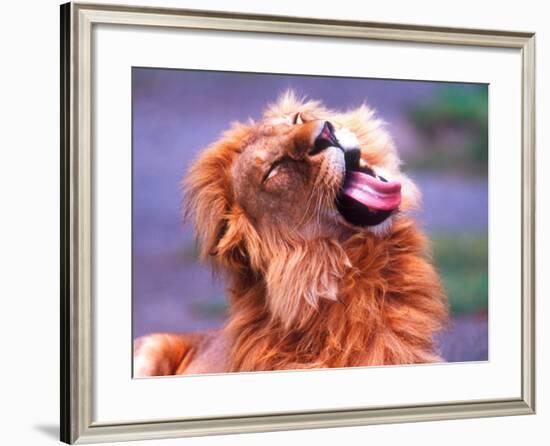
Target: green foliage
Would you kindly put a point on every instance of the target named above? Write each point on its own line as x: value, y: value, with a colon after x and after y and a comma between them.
x: 453, y: 125
x: 463, y: 265
x: 213, y: 308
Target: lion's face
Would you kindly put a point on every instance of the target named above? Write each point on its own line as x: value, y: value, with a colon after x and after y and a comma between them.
x: 280, y: 196
x: 306, y: 170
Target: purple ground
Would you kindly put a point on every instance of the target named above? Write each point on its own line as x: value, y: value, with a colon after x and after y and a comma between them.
x: 465, y: 339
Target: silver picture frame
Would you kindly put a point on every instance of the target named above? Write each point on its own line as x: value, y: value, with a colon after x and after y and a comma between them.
x: 77, y: 22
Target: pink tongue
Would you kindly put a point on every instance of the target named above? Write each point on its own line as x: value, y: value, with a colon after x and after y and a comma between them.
x: 372, y: 192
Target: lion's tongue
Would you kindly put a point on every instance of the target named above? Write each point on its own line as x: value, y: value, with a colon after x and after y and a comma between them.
x: 372, y: 192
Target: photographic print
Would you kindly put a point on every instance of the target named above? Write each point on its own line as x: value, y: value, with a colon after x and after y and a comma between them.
x: 287, y: 222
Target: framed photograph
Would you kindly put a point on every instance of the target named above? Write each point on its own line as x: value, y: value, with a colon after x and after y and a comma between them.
x: 276, y: 222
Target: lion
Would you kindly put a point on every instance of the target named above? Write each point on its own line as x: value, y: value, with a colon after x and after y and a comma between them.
x: 306, y: 214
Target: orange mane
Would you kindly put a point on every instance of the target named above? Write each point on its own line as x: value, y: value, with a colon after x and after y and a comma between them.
x: 389, y: 305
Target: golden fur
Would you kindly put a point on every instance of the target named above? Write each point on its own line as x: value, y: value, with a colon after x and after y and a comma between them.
x: 306, y: 289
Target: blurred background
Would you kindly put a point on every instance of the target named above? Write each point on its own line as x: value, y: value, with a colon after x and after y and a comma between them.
x: 440, y: 130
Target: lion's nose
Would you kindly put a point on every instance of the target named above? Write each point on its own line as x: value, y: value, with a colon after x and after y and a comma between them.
x: 311, y: 138
x: 324, y: 139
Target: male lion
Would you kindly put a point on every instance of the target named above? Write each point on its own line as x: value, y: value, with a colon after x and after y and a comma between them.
x: 305, y: 214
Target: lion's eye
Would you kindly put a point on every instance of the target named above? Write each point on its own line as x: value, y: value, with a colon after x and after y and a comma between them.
x: 274, y: 169
x: 272, y: 172
x: 298, y: 119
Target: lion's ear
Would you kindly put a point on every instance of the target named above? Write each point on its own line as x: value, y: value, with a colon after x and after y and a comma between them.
x: 240, y: 244
x: 214, y: 249
x: 208, y: 196
x: 207, y: 199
